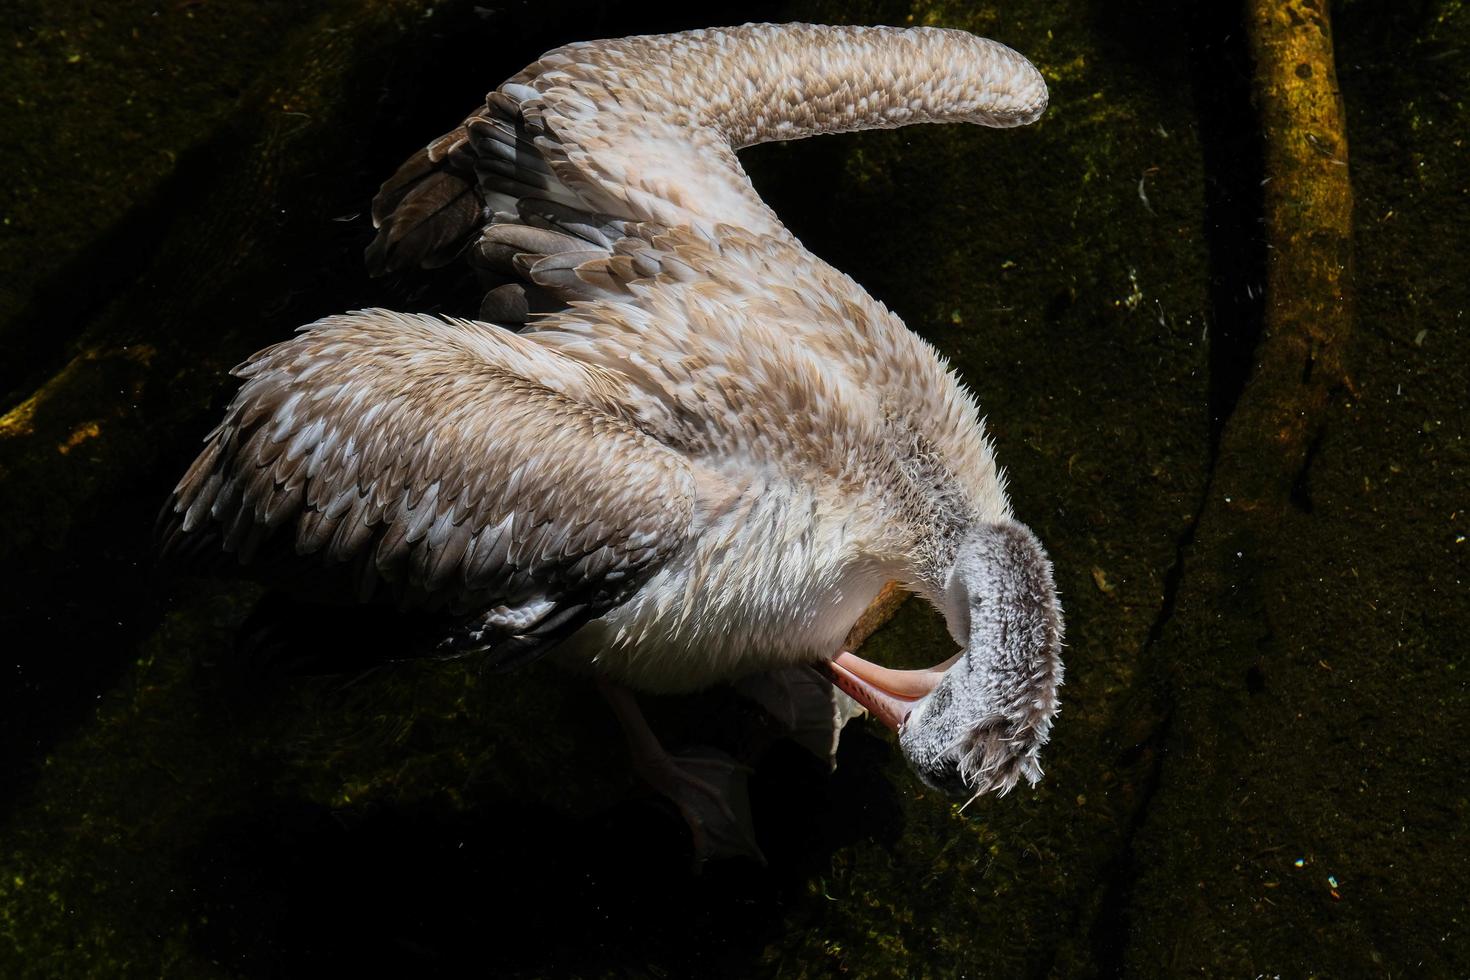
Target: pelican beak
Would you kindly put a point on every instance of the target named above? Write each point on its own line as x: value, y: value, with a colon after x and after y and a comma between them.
x: 887, y: 693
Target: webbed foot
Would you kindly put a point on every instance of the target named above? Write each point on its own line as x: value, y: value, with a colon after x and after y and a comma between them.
x: 712, y: 793
x: 708, y: 787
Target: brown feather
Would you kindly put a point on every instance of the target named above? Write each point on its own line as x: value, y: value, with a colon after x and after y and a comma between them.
x: 433, y: 484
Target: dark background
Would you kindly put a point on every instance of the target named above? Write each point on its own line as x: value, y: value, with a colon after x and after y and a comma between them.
x: 188, y: 182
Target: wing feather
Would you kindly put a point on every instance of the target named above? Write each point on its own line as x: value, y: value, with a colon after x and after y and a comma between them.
x: 482, y: 473
x: 646, y: 128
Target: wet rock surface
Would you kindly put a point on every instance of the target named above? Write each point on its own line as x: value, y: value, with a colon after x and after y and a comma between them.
x: 1258, y: 767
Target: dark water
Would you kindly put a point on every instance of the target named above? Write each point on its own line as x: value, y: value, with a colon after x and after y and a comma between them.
x: 1260, y: 764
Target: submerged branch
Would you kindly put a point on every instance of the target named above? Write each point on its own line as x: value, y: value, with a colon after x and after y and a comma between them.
x: 1228, y: 615
x: 1308, y: 223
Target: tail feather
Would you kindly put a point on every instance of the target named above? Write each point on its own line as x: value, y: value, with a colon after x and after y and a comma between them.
x: 447, y: 152
x: 436, y: 214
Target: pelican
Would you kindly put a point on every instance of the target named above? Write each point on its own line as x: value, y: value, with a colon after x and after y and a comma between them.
x: 676, y: 448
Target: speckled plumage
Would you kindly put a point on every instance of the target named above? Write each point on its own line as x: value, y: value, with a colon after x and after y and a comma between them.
x: 706, y: 450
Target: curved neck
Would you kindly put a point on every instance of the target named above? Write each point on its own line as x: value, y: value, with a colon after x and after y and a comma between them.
x: 1003, y: 594
x: 800, y: 80
x: 655, y: 120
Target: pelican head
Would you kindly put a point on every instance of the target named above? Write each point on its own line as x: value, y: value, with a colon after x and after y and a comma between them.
x: 976, y: 723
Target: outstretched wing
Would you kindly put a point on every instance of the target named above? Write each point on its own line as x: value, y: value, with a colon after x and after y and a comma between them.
x: 463, y: 468
x: 645, y: 129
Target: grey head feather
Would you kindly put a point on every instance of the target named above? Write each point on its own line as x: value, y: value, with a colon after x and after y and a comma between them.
x: 983, y: 727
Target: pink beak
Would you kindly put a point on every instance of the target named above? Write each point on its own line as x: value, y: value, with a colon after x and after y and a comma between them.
x: 887, y: 693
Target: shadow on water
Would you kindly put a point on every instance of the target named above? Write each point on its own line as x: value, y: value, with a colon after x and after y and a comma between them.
x: 1208, y: 51
x: 522, y: 889
x: 1211, y: 55
x: 1234, y: 169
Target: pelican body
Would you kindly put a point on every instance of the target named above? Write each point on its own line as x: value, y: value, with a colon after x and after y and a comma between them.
x: 676, y: 448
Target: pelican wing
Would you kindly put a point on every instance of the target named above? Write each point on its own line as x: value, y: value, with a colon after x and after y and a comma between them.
x: 466, y: 469
x: 645, y: 128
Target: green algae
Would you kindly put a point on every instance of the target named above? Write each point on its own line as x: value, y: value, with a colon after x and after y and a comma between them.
x: 1342, y: 734
x: 254, y: 234
x: 198, y: 823
x: 176, y: 751
x: 103, y: 101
